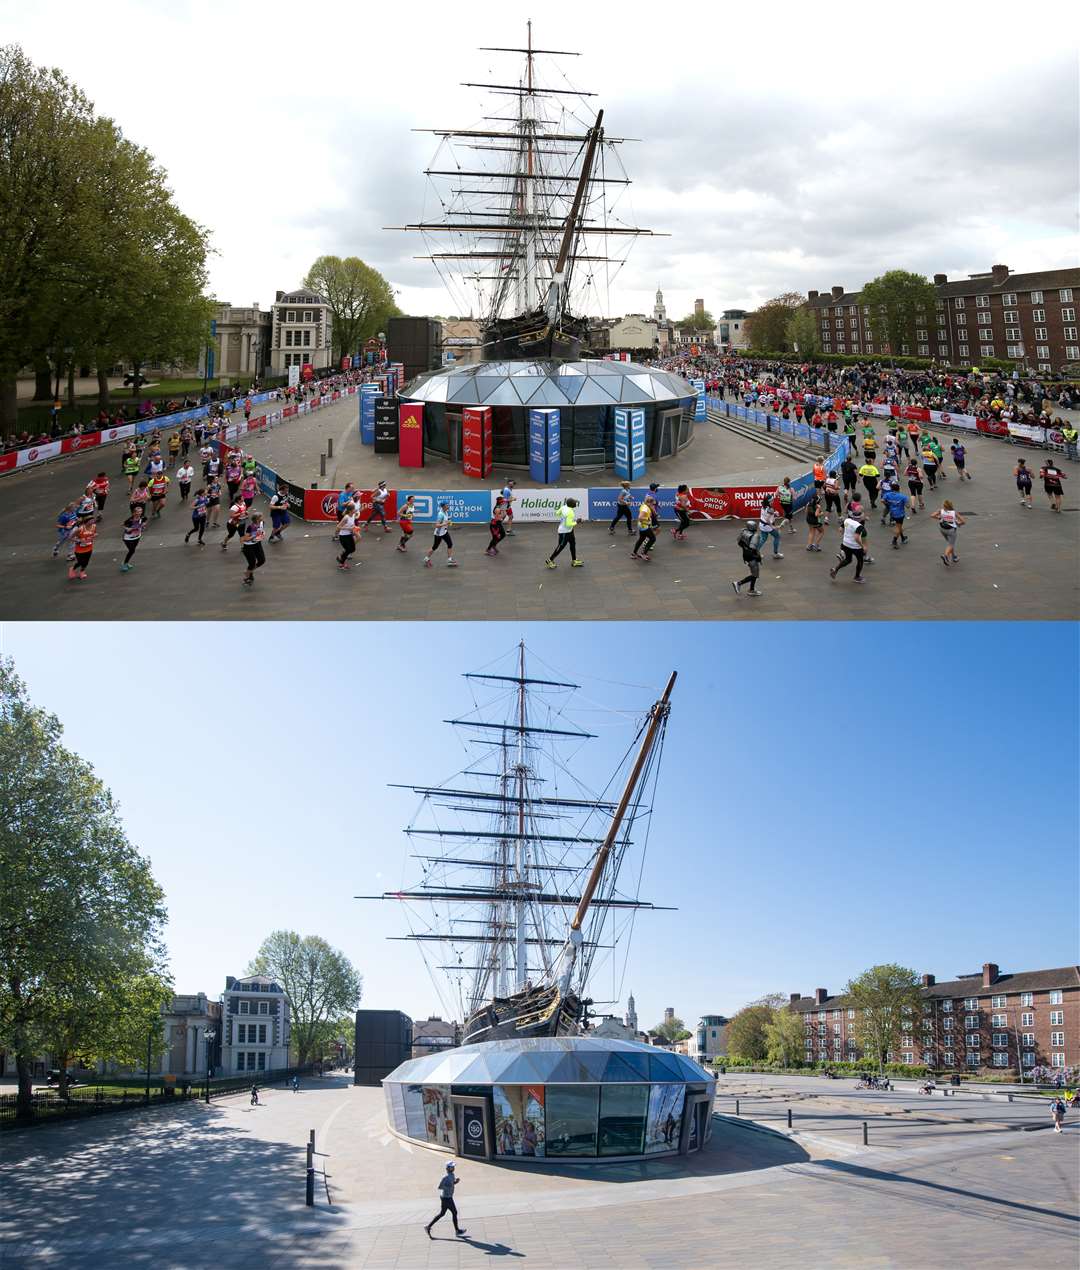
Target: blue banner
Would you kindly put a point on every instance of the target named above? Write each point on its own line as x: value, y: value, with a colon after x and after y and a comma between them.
x: 602, y: 501
x: 467, y: 507
x: 367, y: 395
x: 267, y: 478
x: 629, y: 443
x: 554, y: 446
x: 545, y: 452
x: 699, y: 402
x: 622, y: 447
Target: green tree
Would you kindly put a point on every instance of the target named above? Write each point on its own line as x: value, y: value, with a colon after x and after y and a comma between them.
x: 784, y: 1035
x: 319, y: 982
x: 801, y: 332
x: 360, y: 299
x: 671, y: 1030
x: 884, y: 998
x: 698, y: 322
x: 80, y: 912
x: 900, y: 303
x: 767, y: 327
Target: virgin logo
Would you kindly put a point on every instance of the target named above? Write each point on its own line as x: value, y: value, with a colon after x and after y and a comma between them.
x: 329, y: 505
x: 31, y: 455
x: 946, y: 418
x: 110, y: 435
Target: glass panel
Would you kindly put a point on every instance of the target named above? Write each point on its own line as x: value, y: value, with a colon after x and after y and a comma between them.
x: 571, y: 1120
x: 438, y: 1115
x: 569, y: 1069
x: 637, y: 1062
x: 622, y: 1118
x: 665, y: 1118
x: 414, y: 1112
x: 662, y: 1068
x: 618, y: 1069
x: 519, y: 1119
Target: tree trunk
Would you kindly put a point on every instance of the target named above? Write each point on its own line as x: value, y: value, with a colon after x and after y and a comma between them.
x: 24, y: 1110
x: 103, y: 389
x: 135, y: 379
x: 62, y: 1081
x: 43, y: 381
x: 71, y: 385
x: 9, y: 405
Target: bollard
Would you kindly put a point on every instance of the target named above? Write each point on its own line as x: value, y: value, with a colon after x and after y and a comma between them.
x: 789, y: 1117
x: 864, y: 1137
x: 322, y: 464
x: 736, y: 1106
x: 310, y: 1197
x: 329, y: 447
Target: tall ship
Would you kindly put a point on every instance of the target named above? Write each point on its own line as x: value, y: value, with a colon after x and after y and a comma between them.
x: 528, y: 211
x: 525, y: 876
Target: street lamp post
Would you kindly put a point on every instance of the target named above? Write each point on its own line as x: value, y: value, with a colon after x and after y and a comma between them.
x: 209, y: 1036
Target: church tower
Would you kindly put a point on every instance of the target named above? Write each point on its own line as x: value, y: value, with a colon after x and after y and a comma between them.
x: 659, y: 312
x: 631, y: 1012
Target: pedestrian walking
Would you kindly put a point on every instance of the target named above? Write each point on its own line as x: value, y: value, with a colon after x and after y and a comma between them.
x: 747, y: 543
x: 255, y: 1095
x: 646, y: 537
x: 185, y: 474
x: 405, y: 522
x: 949, y: 521
x: 279, y: 513
x: 623, y: 503
x: 198, y: 517
x: 443, y: 525
x: 1057, y: 1113
x: 959, y: 458
x: 682, y: 511
x: 252, y: 547
x: 853, y: 547
x: 567, y: 538
x: 446, y: 1186
x: 1052, y: 476
x: 1023, y: 482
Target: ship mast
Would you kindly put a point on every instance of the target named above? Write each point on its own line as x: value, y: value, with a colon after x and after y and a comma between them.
x: 521, y: 963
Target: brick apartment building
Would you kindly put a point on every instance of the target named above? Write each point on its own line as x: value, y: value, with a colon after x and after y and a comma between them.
x: 1029, y: 318
x: 988, y: 1021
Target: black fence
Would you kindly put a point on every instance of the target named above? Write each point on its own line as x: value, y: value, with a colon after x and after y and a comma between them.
x: 47, y: 1106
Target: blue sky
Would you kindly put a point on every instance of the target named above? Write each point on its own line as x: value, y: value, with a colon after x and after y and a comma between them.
x: 832, y: 795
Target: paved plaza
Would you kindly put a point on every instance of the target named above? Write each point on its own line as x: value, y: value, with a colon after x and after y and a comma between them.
x: 944, y: 1182
x: 1015, y: 563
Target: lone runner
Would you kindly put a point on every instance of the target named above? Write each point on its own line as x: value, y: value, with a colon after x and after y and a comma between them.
x: 446, y: 1201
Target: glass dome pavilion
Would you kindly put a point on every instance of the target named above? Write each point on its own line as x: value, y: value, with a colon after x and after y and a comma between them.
x: 552, y: 1098
x: 585, y: 393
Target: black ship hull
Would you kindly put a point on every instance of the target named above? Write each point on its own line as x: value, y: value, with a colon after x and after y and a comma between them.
x: 532, y: 336
x: 534, y: 1012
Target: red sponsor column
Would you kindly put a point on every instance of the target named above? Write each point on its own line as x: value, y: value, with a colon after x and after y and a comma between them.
x: 411, y: 434
x: 476, y: 441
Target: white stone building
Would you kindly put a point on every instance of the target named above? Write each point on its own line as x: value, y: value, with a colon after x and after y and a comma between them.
x: 255, y: 1026
x: 302, y: 331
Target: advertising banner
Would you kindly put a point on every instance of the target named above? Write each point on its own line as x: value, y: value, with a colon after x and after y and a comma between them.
x: 741, y: 502
x: 85, y: 441
x: 602, y: 501
x: 307, y: 372
x: 519, y: 1119
x: 411, y: 434
x: 267, y: 478
x: 296, y: 499
x: 294, y: 376
x: 37, y: 454
x: 699, y: 401
x: 944, y: 419
x: 118, y: 434
x: 542, y: 504
x: 554, y: 446
x: 9, y: 461
x: 385, y: 426
x: 545, y: 446
x: 629, y: 443
x: 1030, y: 432
x: 467, y: 507
x: 993, y: 427
x: 476, y: 441
x: 472, y: 1132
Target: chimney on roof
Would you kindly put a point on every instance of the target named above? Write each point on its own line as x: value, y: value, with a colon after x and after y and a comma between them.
x: 940, y: 279
x: 928, y: 981
x: 277, y: 296
x: 819, y: 995
x: 837, y: 292
x: 811, y: 295
x: 1000, y: 273
x: 229, y: 981
x: 796, y: 996
x: 990, y: 974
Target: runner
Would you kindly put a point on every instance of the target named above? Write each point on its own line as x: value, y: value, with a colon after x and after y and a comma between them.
x: 159, y: 487
x: 83, y: 536
x: 1052, y: 476
x: 849, y: 473
x: 785, y: 496
x: 379, y: 495
x: 252, y: 547
x: 896, y: 505
x: 623, y: 504
x: 99, y: 487
x: 249, y: 488
x: 130, y: 465
x: 279, y: 513
x: 443, y: 525
x: 140, y: 497
x: 682, y: 510
x: 814, y: 527
x: 236, y: 523
x: 646, y: 533
x: 65, y: 527
x: 853, y: 548
x: 174, y: 448
x: 507, y: 492
x: 949, y: 521
x: 186, y: 437
x: 870, y: 475
x: 747, y: 544
x: 206, y: 453
x: 1023, y: 483
x: 133, y: 530
x: 405, y: 520
x: 914, y: 432
x: 819, y: 474
x: 346, y: 534
x: 768, y: 528
x: 959, y: 458
x: 567, y: 522
x: 185, y: 474
x: 213, y: 503
x: 234, y: 474
x: 213, y: 467
x: 915, y: 485
x: 498, y: 531
x: 832, y: 496
x: 198, y: 517
x: 930, y: 465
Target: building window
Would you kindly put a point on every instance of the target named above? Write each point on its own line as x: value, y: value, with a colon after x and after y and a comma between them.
x: 924, y: 350
x: 949, y: 1058
x: 1068, y: 315
x: 264, y: 1007
x: 973, y: 1060
x: 262, y: 1062
x: 1009, y: 300
x: 961, y: 319
x: 308, y: 316
x: 985, y: 333
x: 1027, y: 998
x: 928, y: 1057
x: 1038, y: 315
x: 947, y: 1024
x: 307, y: 359
x: 1065, y: 294
x: 1001, y: 1060
x: 825, y: 325
x: 1057, y: 1018
x: 1072, y: 352
x: 288, y: 339
x: 1057, y: 1038
x: 836, y: 1029
x: 987, y: 350
x: 240, y: 1061
x: 1029, y: 1058
x: 971, y: 1021
x: 1014, y: 350
x: 1057, y: 1060
x: 242, y: 1007
x: 1011, y: 333
x: 922, y: 335
x: 939, y: 304
x: 1036, y: 297
x: 1027, y: 1019
x: 962, y: 349
x: 958, y: 303
x: 1042, y: 350
x: 1011, y: 315
x: 1069, y: 332
x: 973, y: 1041
x: 290, y: 315
x: 998, y: 1020
x: 1027, y: 1038
x: 1055, y: 997
x: 851, y: 1014
x: 307, y: 339
x: 982, y: 301
x: 947, y: 1006
x: 1001, y: 1040
x: 1040, y: 332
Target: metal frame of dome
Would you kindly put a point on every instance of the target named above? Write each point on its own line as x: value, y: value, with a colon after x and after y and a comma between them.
x: 546, y: 385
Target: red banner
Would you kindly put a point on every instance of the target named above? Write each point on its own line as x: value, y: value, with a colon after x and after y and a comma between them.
x: 8, y: 461
x: 476, y: 441
x: 994, y: 427
x: 322, y: 504
x: 86, y: 441
x: 307, y: 372
x: 742, y: 501
x: 411, y: 434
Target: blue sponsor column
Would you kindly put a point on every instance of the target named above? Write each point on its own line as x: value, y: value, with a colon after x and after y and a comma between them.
x: 368, y: 395
x: 698, y: 386
x: 629, y: 443
x: 545, y: 446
